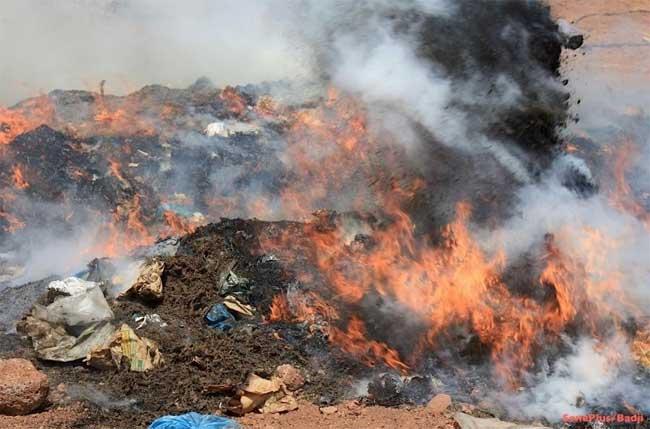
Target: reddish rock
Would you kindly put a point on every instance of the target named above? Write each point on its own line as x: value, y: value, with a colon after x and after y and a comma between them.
x: 290, y: 376
x: 23, y: 388
x: 439, y: 403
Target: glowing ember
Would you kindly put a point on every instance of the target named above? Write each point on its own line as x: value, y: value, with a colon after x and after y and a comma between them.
x: 233, y: 100
x: 19, y: 178
x: 29, y: 115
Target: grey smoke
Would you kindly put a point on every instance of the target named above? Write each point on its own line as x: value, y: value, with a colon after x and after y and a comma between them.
x: 75, y: 44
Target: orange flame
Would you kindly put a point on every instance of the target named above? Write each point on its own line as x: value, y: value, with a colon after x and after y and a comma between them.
x: 29, y: 115
x: 19, y: 178
x: 178, y: 225
x: 233, y: 100
x: 455, y: 283
x: 622, y: 196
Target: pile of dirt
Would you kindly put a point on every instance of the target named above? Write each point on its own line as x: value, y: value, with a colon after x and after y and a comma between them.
x: 195, y: 355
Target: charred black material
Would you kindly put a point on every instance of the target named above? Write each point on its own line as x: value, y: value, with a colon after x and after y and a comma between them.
x: 503, y: 46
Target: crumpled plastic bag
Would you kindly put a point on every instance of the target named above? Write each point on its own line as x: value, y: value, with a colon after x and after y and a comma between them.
x: 148, y: 285
x: 85, y: 305
x: 126, y: 350
x: 465, y: 421
x: 230, y: 128
x: 72, y: 325
x: 194, y: 421
x: 230, y: 283
x: 72, y: 286
x: 268, y: 396
x: 53, y: 342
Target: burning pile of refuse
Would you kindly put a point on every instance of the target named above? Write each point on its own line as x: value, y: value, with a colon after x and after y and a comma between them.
x: 381, y: 269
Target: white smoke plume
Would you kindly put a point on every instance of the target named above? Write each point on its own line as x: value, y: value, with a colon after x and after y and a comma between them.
x: 75, y: 44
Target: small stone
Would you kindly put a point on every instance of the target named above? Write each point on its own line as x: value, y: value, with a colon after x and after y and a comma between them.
x: 328, y: 410
x: 58, y: 395
x: 23, y: 388
x: 439, y: 403
x: 352, y: 405
x: 290, y: 376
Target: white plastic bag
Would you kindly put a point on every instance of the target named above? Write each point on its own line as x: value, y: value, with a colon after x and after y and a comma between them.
x: 85, y: 305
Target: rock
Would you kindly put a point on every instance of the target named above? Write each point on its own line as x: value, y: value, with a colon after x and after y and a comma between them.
x: 439, y: 403
x: 386, y: 389
x: 290, y: 376
x: 23, y: 388
x: 328, y: 410
x: 573, y: 38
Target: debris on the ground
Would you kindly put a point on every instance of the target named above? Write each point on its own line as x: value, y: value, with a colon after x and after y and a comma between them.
x: 52, y: 342
x: 126, y: 350
x: 149, y: 319
x: 74, y: 323
x: 267, y: 396
x: 230, y: 128
x: 439, y: 403
x: 220, y: 318
x: 81, y: 304
x: 23, y: 388
x: 290, y: 376
x: 233, y: 304
x: 148, y: 285
x: 328, y: 410
x: 465, y: 421
x: 72, y: 286
x: 231, y: 283
x: 167, y: 247
x: 392, y: 389
x: 194, y: 421
x: 385, y: 389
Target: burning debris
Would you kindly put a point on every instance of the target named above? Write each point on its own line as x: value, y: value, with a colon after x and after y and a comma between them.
x: 419, y: 230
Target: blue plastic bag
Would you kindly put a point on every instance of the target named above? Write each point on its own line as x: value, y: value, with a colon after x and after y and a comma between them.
x: 220, y: 318
x: 194, y: 421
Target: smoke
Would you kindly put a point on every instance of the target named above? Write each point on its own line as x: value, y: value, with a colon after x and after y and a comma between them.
x: 76, y: 44
x: 586, y: 378
x: 456, y: 85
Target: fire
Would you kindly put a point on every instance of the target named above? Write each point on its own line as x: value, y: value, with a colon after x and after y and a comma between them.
x: 455, y: 283
x: 29, y: 115
x: 444, y: 286
x: 233, y: 100
x: 443, y: 282
x: 105, y: 116
x: 124, y: 119
x: 116, y: 170
x: 354, y: 341
x: 178, y: 225
x: 19, y: 178
x: 328, y: 146
x: 622, y: 196
x: 12, y: 223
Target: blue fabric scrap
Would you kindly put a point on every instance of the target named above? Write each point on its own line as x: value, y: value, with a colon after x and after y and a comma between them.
x: 220, y: 318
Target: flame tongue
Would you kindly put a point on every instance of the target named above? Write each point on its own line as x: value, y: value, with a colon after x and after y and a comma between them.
x: 382, y: 290
x: 434, y: 290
